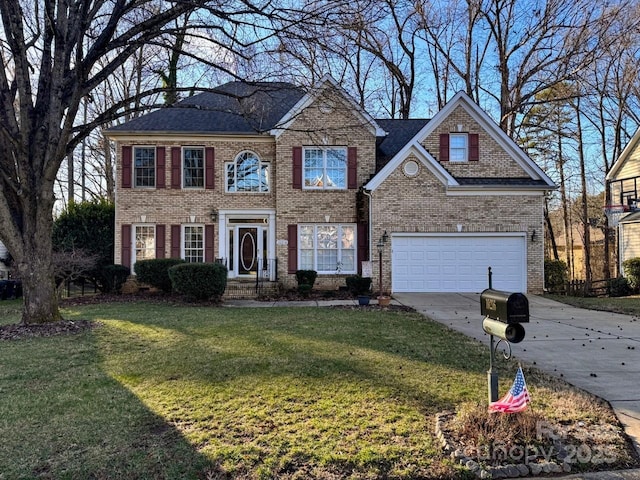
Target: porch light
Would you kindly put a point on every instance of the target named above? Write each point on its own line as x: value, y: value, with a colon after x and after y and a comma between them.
x: 213, y: 214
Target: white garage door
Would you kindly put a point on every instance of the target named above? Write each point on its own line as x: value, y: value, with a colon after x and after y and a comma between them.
x: 457, y: 263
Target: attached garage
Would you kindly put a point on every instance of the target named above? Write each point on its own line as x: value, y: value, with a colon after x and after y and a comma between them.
x: 458, y: 262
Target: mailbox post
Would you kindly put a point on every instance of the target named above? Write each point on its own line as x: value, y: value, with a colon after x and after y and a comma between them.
x: 504, y: 312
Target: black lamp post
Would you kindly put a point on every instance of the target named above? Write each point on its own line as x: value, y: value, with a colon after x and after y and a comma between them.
x: 380, y: 245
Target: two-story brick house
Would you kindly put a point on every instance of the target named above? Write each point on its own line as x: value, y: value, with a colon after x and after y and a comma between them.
x: 270, y: 178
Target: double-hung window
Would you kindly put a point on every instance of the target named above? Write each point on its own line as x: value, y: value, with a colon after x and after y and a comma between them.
x: 193, y: 243
x: 193, y: 167
x: 327, y: 248
x: 325, y: 167
x: 144, y: 173
x: 458, y: 147
x: 247, y: 173
x: 144, y: 242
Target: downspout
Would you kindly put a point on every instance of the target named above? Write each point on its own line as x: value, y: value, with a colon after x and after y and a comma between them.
x: 368, y: 194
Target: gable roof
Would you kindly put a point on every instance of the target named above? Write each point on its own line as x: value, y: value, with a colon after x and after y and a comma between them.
x: 232, y: 108
x: 313, y: 94
x: 399, y: 134
x: 624, y: 155
x: 537, y: 178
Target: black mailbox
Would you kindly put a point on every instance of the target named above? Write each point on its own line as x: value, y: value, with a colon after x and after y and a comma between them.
x: 504, y: 306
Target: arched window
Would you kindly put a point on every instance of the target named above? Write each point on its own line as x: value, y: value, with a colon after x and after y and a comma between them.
x: 247, y: 173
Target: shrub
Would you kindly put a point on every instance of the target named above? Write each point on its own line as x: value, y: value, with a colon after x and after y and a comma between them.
x: 200, y: 281
x: 306, y: 277
x: 304, y: 289
x: 358, y: 285
x: 87, y: 227
x: 112, y: 277
x: 555, y: 275
x: 631, y: 269
x: 618, y: 287
x: 155, y: 272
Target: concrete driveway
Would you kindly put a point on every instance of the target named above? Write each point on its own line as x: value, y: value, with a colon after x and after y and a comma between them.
x: 596, y: 351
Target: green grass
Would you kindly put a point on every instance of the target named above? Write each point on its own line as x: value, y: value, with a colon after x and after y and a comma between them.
x: 628, y: 305
x: 160, y: 391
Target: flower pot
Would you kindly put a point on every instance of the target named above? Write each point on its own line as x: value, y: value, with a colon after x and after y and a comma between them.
x: 384, y: 300
x: 363, y: 300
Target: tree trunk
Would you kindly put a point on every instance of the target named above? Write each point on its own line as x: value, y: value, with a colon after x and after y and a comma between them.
x: 40, y: 301
x: 40, y: 297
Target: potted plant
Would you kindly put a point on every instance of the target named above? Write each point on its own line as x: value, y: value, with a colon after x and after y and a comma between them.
x: 384, y: 300
x: 359, y: 286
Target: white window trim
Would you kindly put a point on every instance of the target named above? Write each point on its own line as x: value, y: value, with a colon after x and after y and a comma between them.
x: 261, y: 164
x: 133, y: 165
x: 204, y: 166
x: 315, y: 248
x: 134, y: 250
x: 183, y: 239
x: 466, y: 147
x: 324, y: 166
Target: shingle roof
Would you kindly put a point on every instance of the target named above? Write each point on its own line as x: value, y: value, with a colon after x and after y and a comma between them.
x: 232, y: 108
x: 501, y: 181
x: 399, y: 133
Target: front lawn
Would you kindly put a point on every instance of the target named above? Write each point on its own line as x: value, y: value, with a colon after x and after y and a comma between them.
x: 159, y: 391
x: 629, y: 305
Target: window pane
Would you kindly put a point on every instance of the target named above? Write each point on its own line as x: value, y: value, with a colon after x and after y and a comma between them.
x: 458, y: 148
x: 247, y: 168
x: 193, y: 167
x: 348, y: 260
x: 306, y: 260
x: 327, y: 248
x: 145, y: 242
x: 313, y: 158
x: 145, y: 167
x: 194, y: 243
x: 325, y: 167
x: 264, y: 178
x: 247, y: 174
x: 348, y: 236
x: 306, y: 237
x: 231, y: 180
x: 337, y: 158
x: 327, y: 236
x: 327, y: 260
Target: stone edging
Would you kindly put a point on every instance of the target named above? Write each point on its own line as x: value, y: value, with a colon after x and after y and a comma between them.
x: 503, y: 471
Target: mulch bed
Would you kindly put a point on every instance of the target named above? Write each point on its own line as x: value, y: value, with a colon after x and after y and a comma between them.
x: 63, y: 327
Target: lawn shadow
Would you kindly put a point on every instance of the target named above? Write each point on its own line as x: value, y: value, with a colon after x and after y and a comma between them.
x: 410, y: 356
x: 64, y: 416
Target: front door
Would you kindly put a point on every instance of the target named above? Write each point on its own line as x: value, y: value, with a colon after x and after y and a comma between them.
x: 249, y: 246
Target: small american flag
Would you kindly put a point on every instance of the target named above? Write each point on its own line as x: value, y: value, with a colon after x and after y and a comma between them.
x: 516, y: 399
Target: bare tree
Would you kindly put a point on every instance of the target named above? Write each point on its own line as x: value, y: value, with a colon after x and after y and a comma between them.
x: 54, y: 54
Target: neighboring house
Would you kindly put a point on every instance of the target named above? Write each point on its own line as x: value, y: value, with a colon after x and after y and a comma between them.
x: 623, y: 181
x: 4, y: 269
x: 269, y: 178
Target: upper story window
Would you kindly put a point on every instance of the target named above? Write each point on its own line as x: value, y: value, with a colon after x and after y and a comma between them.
x: 325, y: 167
x: 247, y: 173
x: 458, y: 147
x: 193, y: 167
x: 193, y: 243
x: 144, y: 173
